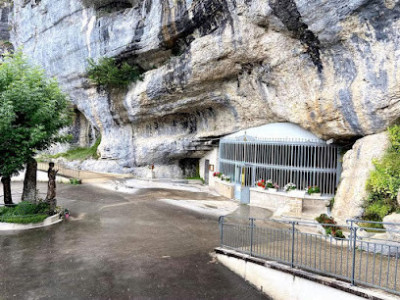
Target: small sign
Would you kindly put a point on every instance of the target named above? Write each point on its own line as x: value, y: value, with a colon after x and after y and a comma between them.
x: 211, y: 168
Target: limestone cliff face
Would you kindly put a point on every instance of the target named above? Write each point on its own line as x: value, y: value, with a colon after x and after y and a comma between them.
x: 357, y: 165
x: 217, y: 66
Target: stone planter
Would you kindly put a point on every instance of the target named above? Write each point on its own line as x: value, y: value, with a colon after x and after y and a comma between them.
x: 316, y: 195
x: 260, y: 188
x: 296, y: 193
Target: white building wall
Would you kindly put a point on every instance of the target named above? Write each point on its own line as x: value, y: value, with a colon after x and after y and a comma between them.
x: 212, y: 156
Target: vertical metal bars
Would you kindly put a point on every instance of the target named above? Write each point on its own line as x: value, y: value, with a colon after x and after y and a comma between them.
x: 302, y: 163
x: 371, y: 263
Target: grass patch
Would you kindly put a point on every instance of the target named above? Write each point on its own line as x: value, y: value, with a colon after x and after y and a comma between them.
x: 25, y: 213
x: 196, y: 178
x: 77, y: 153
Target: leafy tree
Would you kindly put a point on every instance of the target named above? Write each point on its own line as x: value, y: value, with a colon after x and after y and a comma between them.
x: 32, y: 111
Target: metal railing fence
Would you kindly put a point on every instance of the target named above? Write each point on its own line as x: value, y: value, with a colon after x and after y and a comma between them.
x: 357, y: 259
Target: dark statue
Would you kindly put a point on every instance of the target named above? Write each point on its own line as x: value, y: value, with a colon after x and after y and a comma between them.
x: 51, y: 187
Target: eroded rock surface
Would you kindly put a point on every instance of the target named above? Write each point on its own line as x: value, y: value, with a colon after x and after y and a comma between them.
x: 393, y: 230
x: 217, y: 66
x: 357, y: 165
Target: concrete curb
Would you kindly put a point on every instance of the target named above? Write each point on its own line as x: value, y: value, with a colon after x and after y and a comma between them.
x: 18, y: 227
x: 357, y: 291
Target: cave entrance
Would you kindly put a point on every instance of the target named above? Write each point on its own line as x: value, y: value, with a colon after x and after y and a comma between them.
x: 282, y: 153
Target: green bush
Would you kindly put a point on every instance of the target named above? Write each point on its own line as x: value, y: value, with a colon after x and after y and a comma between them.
x: 108, y: 74
x: 335, y: 231
x: 384, y: 181
x: 339, y: 234
x: 394, y: 137
x: 331, y: 203
x: 75, y: 181
x: 376, y: 211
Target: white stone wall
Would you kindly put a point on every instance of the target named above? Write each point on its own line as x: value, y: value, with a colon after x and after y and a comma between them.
x: 224, y: 188
x: 212, y: 156
x: 281, y: 285
x: 292, y: 204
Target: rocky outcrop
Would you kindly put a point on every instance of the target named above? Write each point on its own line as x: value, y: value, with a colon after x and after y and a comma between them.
x: 216, y: 66
x: 393, y: 227
x: 357, y: 165
x: 5, y: 44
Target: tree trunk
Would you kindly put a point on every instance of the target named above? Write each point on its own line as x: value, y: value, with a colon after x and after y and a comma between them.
x: 6, y: 180
x: 30, y: 182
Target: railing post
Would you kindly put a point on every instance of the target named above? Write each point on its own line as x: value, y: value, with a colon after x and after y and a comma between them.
x: 221, y: 230
x: 251, y: 235
x: 353, y: 269
x: 293, y: 231
x: 351, y: 233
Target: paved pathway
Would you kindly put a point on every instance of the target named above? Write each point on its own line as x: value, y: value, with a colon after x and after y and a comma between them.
x: 119, y: 246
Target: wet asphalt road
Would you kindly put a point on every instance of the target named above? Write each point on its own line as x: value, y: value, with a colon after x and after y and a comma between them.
x: 119, y: 246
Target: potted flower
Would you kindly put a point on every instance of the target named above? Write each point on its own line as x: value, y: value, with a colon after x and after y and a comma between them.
x: 269, y: 184
x: 260, y: 184
x: 276, y: 187
x: 290, y: 187
x: 314, y: 190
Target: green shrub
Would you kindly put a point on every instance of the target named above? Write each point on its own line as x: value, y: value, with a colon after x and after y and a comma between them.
x: 106, y: 73
x: 331, y: 203
x: 75, y: 181
x: 376, y: 211
x: 394, y: 137
x: 384, y: 181
x: 335, y: 231
x: 339, y: 234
